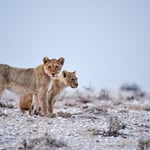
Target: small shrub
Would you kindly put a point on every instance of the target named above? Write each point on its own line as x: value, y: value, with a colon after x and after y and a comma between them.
x: 44, y: 142
x: 104, y: 95
x: 144, y: 144
x: 114, y: 126
x: 130, y: 87
x: 113, y: 129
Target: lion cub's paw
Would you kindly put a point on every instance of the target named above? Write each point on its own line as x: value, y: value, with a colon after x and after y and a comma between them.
x: 51, y: 115
x: 35, y: 110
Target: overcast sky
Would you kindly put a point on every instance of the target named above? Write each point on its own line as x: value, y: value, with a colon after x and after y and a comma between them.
x: 106, y: 41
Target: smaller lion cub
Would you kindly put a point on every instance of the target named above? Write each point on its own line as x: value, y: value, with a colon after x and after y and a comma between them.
x: 66, y: 79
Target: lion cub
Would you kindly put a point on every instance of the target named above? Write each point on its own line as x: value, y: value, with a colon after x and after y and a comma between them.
x: 31, y: 80
x: 66, y: 79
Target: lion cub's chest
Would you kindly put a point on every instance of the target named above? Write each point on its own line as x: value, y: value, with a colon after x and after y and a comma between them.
x: 50, y: 84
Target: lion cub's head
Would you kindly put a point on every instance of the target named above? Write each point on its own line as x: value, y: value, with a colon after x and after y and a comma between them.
x: 70, y: 79
x: 52, y: 67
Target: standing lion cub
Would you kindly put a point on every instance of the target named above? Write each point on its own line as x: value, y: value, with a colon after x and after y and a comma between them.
x: 31, y: 80
x: 66, y: 79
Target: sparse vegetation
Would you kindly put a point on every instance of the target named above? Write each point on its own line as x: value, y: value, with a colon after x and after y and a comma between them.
x: 130, y: 87
x: 44, y: 142
x: 104, y: 95
x: 144, y: 144
x: 114, y: 126
x: 111, y: 122
x: 136, y: 91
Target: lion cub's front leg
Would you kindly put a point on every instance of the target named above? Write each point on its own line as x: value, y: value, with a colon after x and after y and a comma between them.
x: 35, y: 108
x: 50, y: 102
x: 42, y: 97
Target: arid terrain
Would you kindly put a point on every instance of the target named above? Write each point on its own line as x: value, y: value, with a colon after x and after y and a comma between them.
x: 85, y: 119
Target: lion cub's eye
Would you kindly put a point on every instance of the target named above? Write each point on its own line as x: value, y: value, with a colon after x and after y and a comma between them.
x: 57, y: 67
x: 49, y: 67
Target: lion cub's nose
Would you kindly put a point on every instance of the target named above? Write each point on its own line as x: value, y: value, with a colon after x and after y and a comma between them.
x: 53, y: 74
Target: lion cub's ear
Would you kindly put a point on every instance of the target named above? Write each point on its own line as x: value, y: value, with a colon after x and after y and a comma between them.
x: 64, y: 73
x: 61, y: 60
x: 45, y: 60
x: 74, y: 72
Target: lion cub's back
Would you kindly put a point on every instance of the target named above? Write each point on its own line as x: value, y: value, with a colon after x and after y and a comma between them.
x: 4, y: 69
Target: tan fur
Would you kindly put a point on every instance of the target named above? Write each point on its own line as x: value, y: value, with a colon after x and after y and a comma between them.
x: 26, y: 106
x: 66, y: 79
x: 32, y: 80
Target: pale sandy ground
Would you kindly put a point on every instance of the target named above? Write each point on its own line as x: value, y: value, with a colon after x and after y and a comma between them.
x: 94, y: 120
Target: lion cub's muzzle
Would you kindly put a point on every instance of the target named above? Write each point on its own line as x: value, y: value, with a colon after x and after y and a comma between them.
x: 53, y: 76
x: 75, y: 85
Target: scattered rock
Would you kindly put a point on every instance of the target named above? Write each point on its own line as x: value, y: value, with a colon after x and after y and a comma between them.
x: 64, y: 114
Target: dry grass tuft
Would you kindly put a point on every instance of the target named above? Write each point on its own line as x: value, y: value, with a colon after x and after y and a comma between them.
x: 144, y: 144
x: 113, y: 129
x: 114, y: 126
x: 45, y: 142
x: 104, y: 95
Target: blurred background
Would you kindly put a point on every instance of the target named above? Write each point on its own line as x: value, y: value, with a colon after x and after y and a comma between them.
x: 106, y: 41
